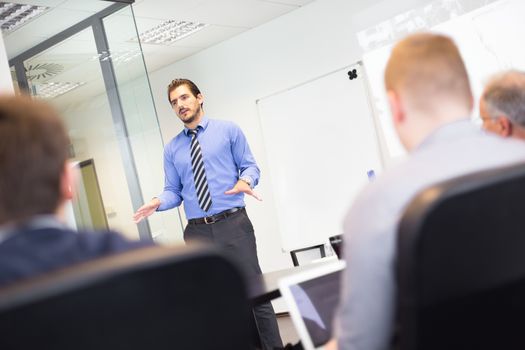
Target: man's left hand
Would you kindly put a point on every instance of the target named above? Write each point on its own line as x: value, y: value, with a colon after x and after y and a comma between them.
x: 331, y: 345
x: 242, y: 186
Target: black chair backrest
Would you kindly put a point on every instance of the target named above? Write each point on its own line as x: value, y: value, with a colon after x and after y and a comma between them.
x: 461, y: 264
x: 337, y: 245
x: 154, y: 298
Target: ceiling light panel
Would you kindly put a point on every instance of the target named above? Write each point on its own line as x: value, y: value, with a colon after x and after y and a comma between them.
x: 13, y: 16
x: 119, y: 57
x: 170, y: 31
x: 52, y: 90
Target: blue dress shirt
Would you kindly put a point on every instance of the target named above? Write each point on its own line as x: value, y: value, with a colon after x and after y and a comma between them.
x: 226, y: 156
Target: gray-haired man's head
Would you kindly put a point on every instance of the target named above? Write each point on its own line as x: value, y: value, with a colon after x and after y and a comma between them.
x: 502, y: 105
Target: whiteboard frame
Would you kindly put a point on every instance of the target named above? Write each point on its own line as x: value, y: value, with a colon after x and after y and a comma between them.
x: 378, y: 133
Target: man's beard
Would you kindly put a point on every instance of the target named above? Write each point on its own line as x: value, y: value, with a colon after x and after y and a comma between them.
x: 193, y: 117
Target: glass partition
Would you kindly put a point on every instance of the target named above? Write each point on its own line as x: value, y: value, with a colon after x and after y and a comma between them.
x: 140, y: 117
x: 94, y: 74
x: 69, y: 76
x: 15, y: 81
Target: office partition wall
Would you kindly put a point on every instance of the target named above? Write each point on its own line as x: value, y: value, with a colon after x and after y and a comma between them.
x: 94, y: 73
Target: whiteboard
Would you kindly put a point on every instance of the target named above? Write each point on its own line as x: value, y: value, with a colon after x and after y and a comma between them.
x: 320, y: 142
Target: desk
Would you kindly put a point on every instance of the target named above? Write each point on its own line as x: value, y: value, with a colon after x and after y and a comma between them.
x: 265, y: 287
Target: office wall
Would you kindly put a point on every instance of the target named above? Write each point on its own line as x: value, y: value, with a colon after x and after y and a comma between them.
x: 309, y: 42
x: 6, y: 84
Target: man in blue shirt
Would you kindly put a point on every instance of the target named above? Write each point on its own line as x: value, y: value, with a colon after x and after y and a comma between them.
x: 210, y: 167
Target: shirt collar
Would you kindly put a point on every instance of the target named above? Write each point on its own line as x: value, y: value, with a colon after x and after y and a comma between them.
x: 35, y: 223
x: 449, y: 131
x: 202, y: 125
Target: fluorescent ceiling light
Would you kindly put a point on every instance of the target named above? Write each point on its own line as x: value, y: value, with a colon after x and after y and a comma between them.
x: 118, y: 57
x: 52, y: 90
x: 170, y: 31
x: 13, y: 16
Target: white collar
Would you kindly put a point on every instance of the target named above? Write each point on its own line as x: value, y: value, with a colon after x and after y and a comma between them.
x: 34, y: 223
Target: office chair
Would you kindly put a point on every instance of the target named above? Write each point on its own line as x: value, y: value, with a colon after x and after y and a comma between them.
x: 188, y: 297
x: 461, y: 264
x: 336, y: 242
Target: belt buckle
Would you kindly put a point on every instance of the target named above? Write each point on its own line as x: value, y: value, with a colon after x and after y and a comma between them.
x: 211, y: 220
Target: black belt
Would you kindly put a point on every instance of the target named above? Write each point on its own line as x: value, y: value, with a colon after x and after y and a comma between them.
x: 214, y: 218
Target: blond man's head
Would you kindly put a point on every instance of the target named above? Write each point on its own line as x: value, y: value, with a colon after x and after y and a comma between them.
x: 427, y: 77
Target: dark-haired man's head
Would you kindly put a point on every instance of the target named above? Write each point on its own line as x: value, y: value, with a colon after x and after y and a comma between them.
x: 186, y: 100
x: 35, y: 178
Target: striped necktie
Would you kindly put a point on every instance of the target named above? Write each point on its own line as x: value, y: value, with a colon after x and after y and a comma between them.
x: 199, y: 175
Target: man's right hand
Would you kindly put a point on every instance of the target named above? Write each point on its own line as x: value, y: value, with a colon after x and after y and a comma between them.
x: 146, y: 210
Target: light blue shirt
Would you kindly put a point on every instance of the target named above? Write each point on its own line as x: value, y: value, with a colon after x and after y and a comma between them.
x: 367, y: 310
x: 226, y: 156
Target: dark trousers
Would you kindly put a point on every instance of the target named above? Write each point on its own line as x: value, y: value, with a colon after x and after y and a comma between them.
x: 235, y: 234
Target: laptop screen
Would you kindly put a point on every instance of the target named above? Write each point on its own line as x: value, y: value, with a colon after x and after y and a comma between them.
x: 317, y: 300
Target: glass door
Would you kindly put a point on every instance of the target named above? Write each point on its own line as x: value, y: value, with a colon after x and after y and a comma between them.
x: 139, y: 115
x: 94, y: 74
x: 69, y: 75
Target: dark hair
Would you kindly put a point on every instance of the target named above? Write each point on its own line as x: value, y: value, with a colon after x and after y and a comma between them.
x: 33, y: 152
x: 175, y: 83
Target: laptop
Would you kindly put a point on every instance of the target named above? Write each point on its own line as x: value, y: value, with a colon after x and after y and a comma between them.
x: 312, y: 297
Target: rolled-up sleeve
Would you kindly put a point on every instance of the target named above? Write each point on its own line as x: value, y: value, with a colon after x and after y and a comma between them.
x: 243, y: 156
x: 171, y: 196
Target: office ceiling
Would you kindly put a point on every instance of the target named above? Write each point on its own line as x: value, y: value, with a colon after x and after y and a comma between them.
x: 226, y: 18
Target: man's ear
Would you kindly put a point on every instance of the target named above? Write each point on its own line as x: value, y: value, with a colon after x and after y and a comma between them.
x: 471, y: 103
x: 200, y: 98
x: 67, y: 181
x: 505, y: 126
x: 396, y: 107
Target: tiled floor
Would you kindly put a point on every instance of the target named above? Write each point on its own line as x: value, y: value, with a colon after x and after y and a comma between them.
x: 287, y: 329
